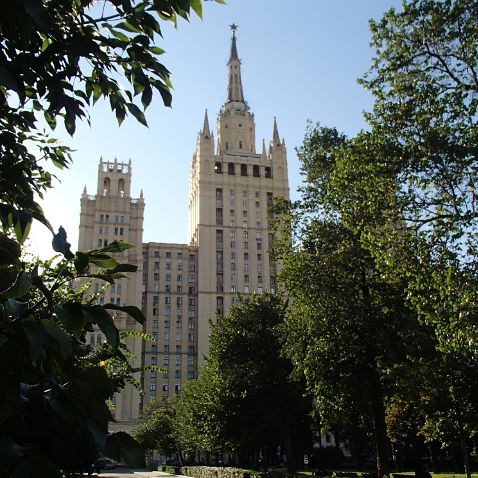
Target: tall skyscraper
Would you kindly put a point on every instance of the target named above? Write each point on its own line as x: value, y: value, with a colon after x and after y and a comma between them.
x: 186, y: 285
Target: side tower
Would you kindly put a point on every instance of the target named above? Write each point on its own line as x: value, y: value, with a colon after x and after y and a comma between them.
x: 230, y: 189
x: 111, y: 215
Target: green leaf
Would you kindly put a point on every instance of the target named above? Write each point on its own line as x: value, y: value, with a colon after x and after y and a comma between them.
x: 101, y: 260
x: 105, y: 322
x: 115, y: 246
x: 21, y: 286
x: 146, y: 96
x: 9, y: 251
x: 60, y: 244
x: 131, y: 310
x: 137, y: 113
x: 59, y: 335
x: 22, y: 225
x: 70, y: 315
x: 122, y: 447
x: 196, y: 5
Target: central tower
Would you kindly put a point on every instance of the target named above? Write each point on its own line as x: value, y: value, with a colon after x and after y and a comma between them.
x: 230, y: 190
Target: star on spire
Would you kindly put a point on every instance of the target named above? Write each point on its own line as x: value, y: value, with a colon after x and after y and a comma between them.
x: 233, y: 27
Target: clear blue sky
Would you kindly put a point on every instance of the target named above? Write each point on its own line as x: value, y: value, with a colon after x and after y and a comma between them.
x: 300, y: 61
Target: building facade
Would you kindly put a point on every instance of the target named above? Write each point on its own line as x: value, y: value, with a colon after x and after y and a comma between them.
x: 180, y: 287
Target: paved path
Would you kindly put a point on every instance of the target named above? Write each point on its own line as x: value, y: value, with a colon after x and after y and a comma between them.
x: 128, y: 473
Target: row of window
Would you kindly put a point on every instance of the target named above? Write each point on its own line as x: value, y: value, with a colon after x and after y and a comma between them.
x: 245, y: 193
x: 178, y: 360
x: 179, y: 312
x: 179, y: 337
x: 179, y: 325
x: 243, y: 168
x: 178, y: 350
x: 104, y: 218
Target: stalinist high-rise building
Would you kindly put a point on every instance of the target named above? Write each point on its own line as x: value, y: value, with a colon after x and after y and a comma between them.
x: 182, y: 286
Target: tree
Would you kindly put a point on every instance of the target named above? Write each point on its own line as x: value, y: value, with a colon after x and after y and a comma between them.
x: 417, y: 166
x: 155, y: 431
x: 56, y: 60
x: 406, y: 188
x: 348, y: 326
x: 247, y: 401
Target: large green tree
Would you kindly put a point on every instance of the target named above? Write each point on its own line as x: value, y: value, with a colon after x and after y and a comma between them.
x: 244, y: 398
x: 56, y: 60
x: 413, y: 176
x: 349, y: 327
x: 156, y: 428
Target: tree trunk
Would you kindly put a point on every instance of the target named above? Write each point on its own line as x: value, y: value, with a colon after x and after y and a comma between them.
x: 466, y: 457
x: 380, y: 438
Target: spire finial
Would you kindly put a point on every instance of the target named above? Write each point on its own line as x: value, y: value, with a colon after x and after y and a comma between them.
x: 264, y: 153
x: 234, y: 85
x: 205, y: 129
x: 275, y: 134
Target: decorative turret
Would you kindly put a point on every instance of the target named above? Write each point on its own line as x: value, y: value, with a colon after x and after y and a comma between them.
x: 275, y: 134
x: 205, y: 129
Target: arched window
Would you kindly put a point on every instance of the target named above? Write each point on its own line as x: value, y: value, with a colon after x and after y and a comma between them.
x: 240, y: 144
x: 121, y: 187
x: 218, y: 168
x: 106, y: 186
x: 255, y: 171
x: 230, y: 168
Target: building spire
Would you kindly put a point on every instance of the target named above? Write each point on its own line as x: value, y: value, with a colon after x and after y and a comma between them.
x: 234, y: 84
x: 205, y: 129
x: 275, y: 134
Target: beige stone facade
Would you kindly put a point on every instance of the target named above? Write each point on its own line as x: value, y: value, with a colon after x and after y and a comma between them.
x: 180, y: 287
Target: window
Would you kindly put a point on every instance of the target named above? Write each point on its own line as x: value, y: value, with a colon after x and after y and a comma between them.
x: 259, y: 279
x: 244, y: 213
x: 191, y: 313
x: 166, y: 360
x: 230, y: 168
x: 259, y: 257
x: 233, y: 266
x: 245, y: 234
x: 218, y: 166
x: 156, y: 276
x: 240, y: 144
x: 191, y: 325
x: 246, y: 256
x: 165, y: 387
x: 232, y: 202
x: 168, y: 277
x: 246, y: 289
x: 177, y: 374
x: 232, y: 212
x: 178, y: 336
x: 246, y: 267
x: 190, y: 361
x: 255, y: 171
x: 178, y: 361
x: 155, y: 325
x: 191, y: 350
x: 233, y: 289
x: 233, y: 244
x: 179, y: 278
x: 190, y: 374
x: 232, y: 233
x: 168, y: 288
x: 180, y: 267
x: 243, y: 169
x: 166, y: 348
x: 233, y: 255
x: 179, y: 300
x: 192, y: 301
x: 152, y: 387
x: 168, y: 266
x: 192, y: 290
x: 154, y: 335
x: 246, y: 245
x: 166, y: 335
x: 177, y: 388
x: 156, y: 253
x: 219, y: 300
x: 191, y: 337
x: 155, y: 299
x: 167, y: 311
x: 179, y: 324
x: 233, y: 278
x: 168, y: 255
x: 257, y: 194
x: 246, y: 278
x: 178, y: 349
x: 167, y: 300
x: 154, y: 360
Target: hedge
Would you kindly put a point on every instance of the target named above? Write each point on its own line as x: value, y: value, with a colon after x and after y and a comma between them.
x: 220, y: 472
